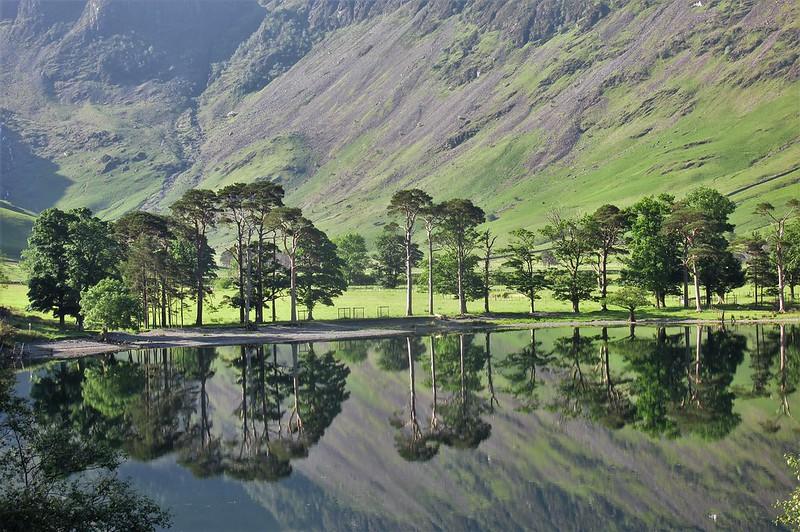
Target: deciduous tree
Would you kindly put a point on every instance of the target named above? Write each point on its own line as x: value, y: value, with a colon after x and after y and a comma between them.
x: 407, y: 205
x: 777, y: 239
x: 522, y: 259
x: 110, y: 305
x: 293, y: 228
x: 652, y: 261
x: 460, y: 218
x: 320, y: 275
x: 47, y: 262
x: 572, y: 248
x: 630, y: 298
x: 606, y: 229
x: 352, y: 250
x: 197, y: 212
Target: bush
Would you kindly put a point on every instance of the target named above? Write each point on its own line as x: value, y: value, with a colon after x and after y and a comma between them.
x: 109, y: 304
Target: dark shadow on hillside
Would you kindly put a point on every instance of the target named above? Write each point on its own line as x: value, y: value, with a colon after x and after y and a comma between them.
x: 27, y: 180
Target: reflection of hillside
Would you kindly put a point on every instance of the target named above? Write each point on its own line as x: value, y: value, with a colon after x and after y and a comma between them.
x: 550, y: 472
x: 572, y: 438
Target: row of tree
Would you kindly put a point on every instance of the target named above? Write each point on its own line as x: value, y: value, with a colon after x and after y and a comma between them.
x: 664, y: 246
x: 143, y: 267
x: 150, y: 265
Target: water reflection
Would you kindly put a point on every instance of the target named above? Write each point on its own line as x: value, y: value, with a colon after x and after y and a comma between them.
x: 256, y: 413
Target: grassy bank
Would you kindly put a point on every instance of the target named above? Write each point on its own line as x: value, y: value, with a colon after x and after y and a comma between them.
x: 505, y: 306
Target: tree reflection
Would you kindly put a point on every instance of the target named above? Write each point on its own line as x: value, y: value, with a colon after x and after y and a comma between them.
x: 590, y: 388
x: 762, y: 358
x: 461, y: 422
x: 160, y: 414
x: 658, y: 368
x: 411, y: 442
x: 317, y: 393
x: 392, y: 353
x: 707, y: 409
x: 200, y: 450
x: 353, y: 351
x: 520, y: 370
x: 681, y: 388
x: 781, y: 344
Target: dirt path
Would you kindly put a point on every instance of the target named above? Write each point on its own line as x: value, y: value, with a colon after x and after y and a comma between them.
x: 317, y: 331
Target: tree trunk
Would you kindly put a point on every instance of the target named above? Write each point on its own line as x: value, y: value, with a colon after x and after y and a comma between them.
x: 163, y: 303
x: 61, y: 320
x: 486, y: 285
x: 685, y: 287
x: 576, y: 306
x: 248, y: 288
x: 293, y: 288
x: 430, y: 273
x: 631, y: 315
x: 462, y: 302
x: 199, y: 284
x: 144, y: 301
x: 604, y: 282
x: 696, y: 277
x: 781, y: 298
x: 409, y: 310
x: 532, y: 297
x: 199, y: 318
x: 434, y: 421
x: 241, y: 279
x: 274, y: 273
x: 310, y: 315
x: 259, y: 282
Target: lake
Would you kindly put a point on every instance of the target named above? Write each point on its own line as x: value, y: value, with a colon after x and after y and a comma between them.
x: 552, y: 429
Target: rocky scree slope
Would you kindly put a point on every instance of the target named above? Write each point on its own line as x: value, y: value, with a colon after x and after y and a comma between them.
x: 523, y: 106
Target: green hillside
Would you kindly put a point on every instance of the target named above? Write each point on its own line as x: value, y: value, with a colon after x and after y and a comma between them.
x: 15, y: 224
x: 522, y: 106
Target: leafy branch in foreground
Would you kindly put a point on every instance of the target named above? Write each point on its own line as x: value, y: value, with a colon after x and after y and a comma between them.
x: 791, y: 507
x: 51, y: 478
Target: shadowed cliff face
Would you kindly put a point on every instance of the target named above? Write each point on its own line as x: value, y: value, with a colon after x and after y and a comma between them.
x: 521, y: 105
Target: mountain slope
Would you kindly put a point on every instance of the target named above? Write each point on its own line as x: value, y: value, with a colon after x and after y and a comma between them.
x: 15, y: 225
x: 522, y: 106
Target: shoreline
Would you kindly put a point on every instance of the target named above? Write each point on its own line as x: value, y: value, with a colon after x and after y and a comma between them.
x: 320, y: 331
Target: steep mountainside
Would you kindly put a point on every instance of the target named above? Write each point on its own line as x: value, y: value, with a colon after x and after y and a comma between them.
x: 521, y: 105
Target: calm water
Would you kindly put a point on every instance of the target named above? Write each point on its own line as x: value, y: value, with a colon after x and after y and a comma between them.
x: 570, y: 429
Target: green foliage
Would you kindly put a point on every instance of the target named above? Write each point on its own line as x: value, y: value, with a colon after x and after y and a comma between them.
x: 352, y: 249
x: 652, y: 263
x: 110, y: 305
x: 629, y: 298
x: 320, y: 275
x: 54, y: 478
x: 67, y: 253
x: 47, y: 263
x: 112, y: 390
x: 790, y: 508
x: 390, y: 255
x: 445, y: 276
x: 572, y: 249
x: 523, y: 275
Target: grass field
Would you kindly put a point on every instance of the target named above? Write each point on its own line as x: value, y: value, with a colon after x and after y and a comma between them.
x: 504, y: 305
